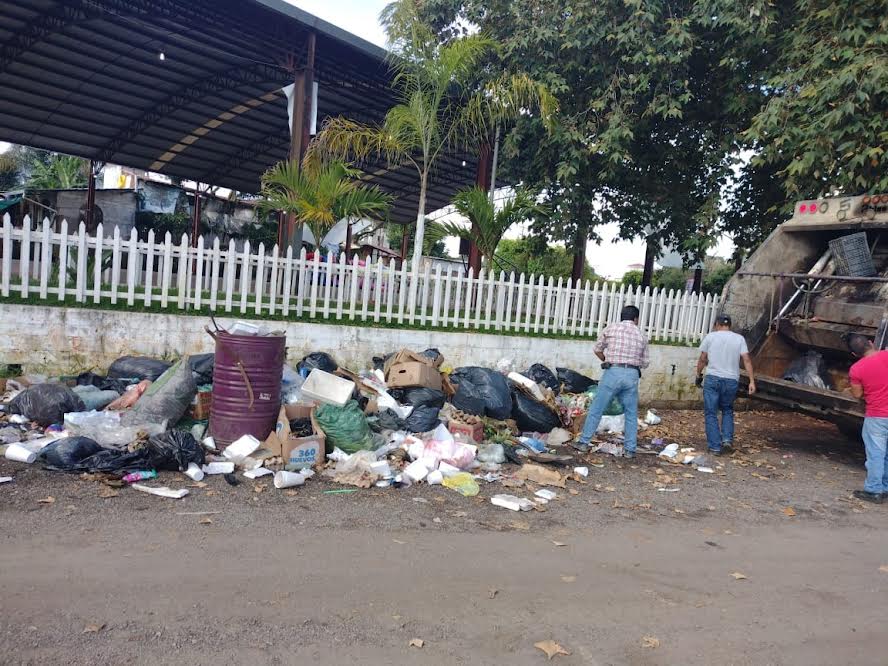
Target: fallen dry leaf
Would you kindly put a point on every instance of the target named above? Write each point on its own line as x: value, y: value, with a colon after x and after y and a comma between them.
x: 551, y: 648
x: 568, y: 579
x: 417, y: 642
x: 198, y: 484
x: 738, y: 576
x: 260, y: 489
x: 47, y: 500
x: 789, y: 511
x: 541, y: 475
x: 93, y: 628
x: 206, y: 521
x: 650, y: 642
x: 559, y: 543
x: 491, y: 593
x: 105, y: 492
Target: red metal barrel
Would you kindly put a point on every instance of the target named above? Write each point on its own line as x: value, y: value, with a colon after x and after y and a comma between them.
x: 246, y: 385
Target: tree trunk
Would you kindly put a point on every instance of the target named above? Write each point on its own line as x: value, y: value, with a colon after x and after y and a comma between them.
x: 348, y: 240
x: 579, y: 252
x: 649, y: 255
x: 698, y: 281
x: 418, y: 240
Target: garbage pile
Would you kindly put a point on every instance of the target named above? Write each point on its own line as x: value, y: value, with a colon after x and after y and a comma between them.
x: 407, y: 418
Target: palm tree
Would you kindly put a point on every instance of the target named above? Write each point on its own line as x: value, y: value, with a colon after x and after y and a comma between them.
x: 58, y: 172
x: 488, y: 224
x: 320, y: 194
x: 440, y: 106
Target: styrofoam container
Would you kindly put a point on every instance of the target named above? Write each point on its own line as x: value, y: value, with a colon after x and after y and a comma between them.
x: 325, y: 387
x: 416, y: 471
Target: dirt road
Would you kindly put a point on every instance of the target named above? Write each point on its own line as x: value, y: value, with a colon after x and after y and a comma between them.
x: 318, y: 578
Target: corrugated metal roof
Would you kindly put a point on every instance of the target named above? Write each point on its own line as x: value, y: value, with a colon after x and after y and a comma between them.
x: 84, y: 77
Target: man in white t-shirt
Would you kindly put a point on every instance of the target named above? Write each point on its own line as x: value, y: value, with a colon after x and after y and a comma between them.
x: 720, y: 353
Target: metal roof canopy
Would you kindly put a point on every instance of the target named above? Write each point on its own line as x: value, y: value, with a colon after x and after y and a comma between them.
x: 85, y: 77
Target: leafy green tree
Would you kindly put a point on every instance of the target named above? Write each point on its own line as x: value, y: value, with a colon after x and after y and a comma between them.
x: 58, y: 172
x: 532, y: 256
x: 441, y: 106
x: 488, y: 225
x: 320, y: 193
x: 432, y: 244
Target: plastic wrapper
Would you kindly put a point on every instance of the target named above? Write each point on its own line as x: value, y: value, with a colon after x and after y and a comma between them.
x: 574, y: 382
x: 543, y: 376
x: 46, y: 403
x: 138, y: 367
x: 809, y: 369
x: 202, y: 368
x: 531, y: 415
x: 436, y: 451
x: 482, y: 392
x: 320, y: 360
x: 106, y: 429
x: 166, y: 400
x: 345, y: 427
x: 463, y: 483
x: 492, y: 453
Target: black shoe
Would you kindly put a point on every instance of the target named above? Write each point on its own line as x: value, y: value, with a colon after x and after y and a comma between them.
x: 866, y: 496
x: 630, y: 455
x: 716, y: 453
x: 727, y: 447
x: 580, y: 446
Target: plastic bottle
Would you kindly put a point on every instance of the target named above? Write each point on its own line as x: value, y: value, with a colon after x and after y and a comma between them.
x: 140, y: 476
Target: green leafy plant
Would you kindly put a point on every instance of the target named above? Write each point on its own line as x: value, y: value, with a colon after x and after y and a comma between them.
x: 58, y: 172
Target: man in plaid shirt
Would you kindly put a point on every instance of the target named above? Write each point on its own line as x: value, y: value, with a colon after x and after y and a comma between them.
x: 625, y: 352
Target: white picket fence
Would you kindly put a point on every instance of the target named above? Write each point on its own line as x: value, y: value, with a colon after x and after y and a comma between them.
x: 47, y: 265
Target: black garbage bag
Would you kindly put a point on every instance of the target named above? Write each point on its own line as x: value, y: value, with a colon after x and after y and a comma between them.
x: 320, y: 360
x: 109, y: 460
x: 482, y: 392
x: 574, y: 382
x: 422, y: 419
x: 419, y: 396
x: 174, y: 450
x: 543, y: 376
x: 138, y: 368
x: 809, y: 369
x: 379, y: 361
x: 435, y: 355
x: 102, y: 383
x: 46, y: 403
x: 202, y: 368
x: 166, y: 400
x: 68, y: 452
x: 531, y: 415
x: 386, y: 419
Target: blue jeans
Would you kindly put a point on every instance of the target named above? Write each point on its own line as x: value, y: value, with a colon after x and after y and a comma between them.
x: 875, y: 439
x: 718, y: 395
x: 622, y: 384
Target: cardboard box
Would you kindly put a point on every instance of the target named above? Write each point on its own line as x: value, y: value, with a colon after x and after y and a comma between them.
x: 475, y: 432
x: 297, y: 452
x: 577, y: 423
x: 299, y: 410
x: 200, y: 406
x: 414, y: 373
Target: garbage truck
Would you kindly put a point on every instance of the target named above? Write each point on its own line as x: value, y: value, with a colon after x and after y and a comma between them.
x: 818, y: 277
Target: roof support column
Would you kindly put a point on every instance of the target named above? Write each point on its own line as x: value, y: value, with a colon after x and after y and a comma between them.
x: 482, y: 180
x: 195, y: 221
x: 299, y: 136
x: 91, y: 195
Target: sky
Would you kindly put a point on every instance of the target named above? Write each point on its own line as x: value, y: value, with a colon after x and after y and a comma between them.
x: 361, y: 17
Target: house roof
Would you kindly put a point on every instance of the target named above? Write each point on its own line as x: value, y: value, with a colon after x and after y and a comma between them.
x: 85, y: 77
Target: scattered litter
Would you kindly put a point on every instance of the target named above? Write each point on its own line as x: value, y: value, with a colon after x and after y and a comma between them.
x: 343, y: 491
x: 543, y: 476
x: 417, y: 643
x: 218, y: 468
x: 652, y: 418
x: 47, y: 500
x: 670, y: 452
x: 884, y: 568
x: 93, y: 628
x: 464, y: 483
x: 650, y: 642
x: 706, y: 470
x: 551, y: 648
x: 738, y: 576
x: 492, y: 592
x: 789, y: 511
x: 511, y: 502
x: 19, y: 453
x: 242, y: 447
x: 581, y: 471
x: 668, y: 490
x: 5, y: 479
x: 257, y: 473
x: 194, y: 472
x: 547, y: 495
x: 559, y: 544
x: 163, y: 491
x: 205, y: 521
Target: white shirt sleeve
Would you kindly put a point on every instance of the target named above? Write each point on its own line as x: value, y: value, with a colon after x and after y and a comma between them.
x: 743, y: 348
x: 707, y: 342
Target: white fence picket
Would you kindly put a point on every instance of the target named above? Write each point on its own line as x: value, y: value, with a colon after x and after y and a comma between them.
x: 25, y: 257
x: 274, y: 270
x: 63, y: 260
x: 198, y: 273
x: 214, y: 275
x: 149, y: 268
x: 6, y: 269
x: 260, y: 277
x: 184, y: 271
x: 45, y: 258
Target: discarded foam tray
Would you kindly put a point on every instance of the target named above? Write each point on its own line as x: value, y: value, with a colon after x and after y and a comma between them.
x: 326, y: 387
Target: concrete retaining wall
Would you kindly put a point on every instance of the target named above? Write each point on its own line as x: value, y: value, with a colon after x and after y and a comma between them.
x: 55, y: 340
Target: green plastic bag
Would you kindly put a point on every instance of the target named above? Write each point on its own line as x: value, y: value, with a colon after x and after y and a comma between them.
x: 463, y: 483
x: 613, y: 409
x: 345, y: 427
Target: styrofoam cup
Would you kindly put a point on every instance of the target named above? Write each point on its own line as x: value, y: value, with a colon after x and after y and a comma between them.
x: 288, y: 479
x: 194, y: 472
x: 20, y: 454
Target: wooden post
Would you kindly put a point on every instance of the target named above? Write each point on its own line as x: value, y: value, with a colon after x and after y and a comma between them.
x: 90, y: 195
x: 299, y: 132
x: 482, y: 180
x: 195, y: 221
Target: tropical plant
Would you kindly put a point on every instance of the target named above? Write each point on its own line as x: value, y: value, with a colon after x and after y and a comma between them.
x: 58, y: 172
x: 441, y: 105
x: 533, y: 256
x: 320, y: 193
x: 489, y: 225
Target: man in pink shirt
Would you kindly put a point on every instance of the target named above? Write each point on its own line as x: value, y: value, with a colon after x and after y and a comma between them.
x: 869, y: 381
